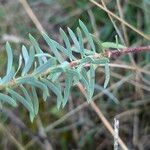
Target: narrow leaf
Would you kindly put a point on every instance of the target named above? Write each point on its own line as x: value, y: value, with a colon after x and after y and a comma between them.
x: 30, y: 62
x: 26, y: 94
x: 25, y: 54
x: 53, y: 48
x: 8, y: 99
x: 20, y: 99
x: 112, y: 45
x: 50, y: 63
x: 35, y: 100
x: 55, y: 88
x: 67, y: 43
x: 38, y: 49
x: 88, y: 35
x: 33, y: 81
x: 74, y: 38
x: 68, y: 83
x: 9, y: 58
x: 19, y: 65
x: 81, y: 44
x: 8, y: 77
x: 62, y: 49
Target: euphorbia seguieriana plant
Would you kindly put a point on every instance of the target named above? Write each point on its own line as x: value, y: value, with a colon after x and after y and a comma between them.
x: 38, y: 70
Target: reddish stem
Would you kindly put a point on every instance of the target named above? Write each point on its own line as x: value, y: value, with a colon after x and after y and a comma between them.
x: 117, y: 53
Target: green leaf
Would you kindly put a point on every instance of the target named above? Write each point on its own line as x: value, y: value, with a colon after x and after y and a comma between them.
x: 8, y: 77
x: 85, y: 81
x: 34, y: 82
x: 26, y: 94
x: 112, y: 45
x: 25, y: 54
x: 27, y: 97
x: 38, y: 49
x: 19, y: 65
x: 68, y: 83
x: 43, y: 54
x: 8, y: 99
x: 74, y: 38
x: 81, y: 44
x: 20, y: 99
x: 35, y: 100
x: 88, y: 35
x: 10, y: 58
x: 62, y: 49
x: 99, y: 44
x: 107, y: 75
x: 55, y: 88
x: 50, y: 63
x: 29, y: 63
x: 51, y: 44
x: 67, y: 43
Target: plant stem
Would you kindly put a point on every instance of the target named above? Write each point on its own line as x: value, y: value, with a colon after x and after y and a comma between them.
x: 117, y: 53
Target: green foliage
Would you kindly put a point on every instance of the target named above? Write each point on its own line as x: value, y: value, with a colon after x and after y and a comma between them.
x: 42, y: 71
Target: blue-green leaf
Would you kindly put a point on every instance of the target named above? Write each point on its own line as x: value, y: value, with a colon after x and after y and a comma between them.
x: 68, y: 83
x: 8, y: 99
x: 67, y: 43
x: 53, y: 48
x: 81, y: 44
x: 8, y: 77
x: 55, y: 88
x: 74, y: 38
x: 38, y: 49
x: 99, y: 44
x: 26, y: 94
x: 88, y: 35
x: 33, y: 81
x: 25, y: 54
x: 20, y: 99
x: 30, y: 62
x: 10, y: 58
x: 85, y: 81
x: 27, y: 97
x: 19, y: 65
x: 35, y: 100
x: 62, y: 49
x: 112, y: 45
x: 50, y: 63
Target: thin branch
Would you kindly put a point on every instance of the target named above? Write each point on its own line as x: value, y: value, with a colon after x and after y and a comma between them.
x: 117, y: 53
x: 107, y: 125
x: 32, y: 15
x: 121, y: 20
x: 103, y: 118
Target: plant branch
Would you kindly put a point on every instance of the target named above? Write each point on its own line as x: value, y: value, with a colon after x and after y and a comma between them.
x: 117, y: 53
x: 108, y: 53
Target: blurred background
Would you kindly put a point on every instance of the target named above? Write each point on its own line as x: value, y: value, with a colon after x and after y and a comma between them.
x: 77, y: 126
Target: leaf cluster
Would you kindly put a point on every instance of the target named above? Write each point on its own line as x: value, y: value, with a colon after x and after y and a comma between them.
x: 45, y: 71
